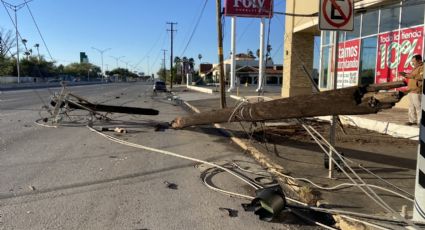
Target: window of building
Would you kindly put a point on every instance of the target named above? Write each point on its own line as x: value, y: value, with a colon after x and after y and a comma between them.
x: 326, y: 38
x: 356, y: 32
x: 389, y: 18
x: 324, y: 69
x: 370, y: 23
x: 368, y: 60
x: 412, y: 13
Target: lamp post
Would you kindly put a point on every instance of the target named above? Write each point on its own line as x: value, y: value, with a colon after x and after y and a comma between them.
x: 101, y: 56
x: 15, y: 8
x: 117, y: 59
x: 126, y: 64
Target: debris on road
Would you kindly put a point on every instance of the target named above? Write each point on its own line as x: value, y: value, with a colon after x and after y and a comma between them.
x: 346, y: 101
x: 161, y: 127
x: 171, y: 185
x: 65, y: 102
x: 120, y: 130
x: 231, y: 212
x: 32, y: 188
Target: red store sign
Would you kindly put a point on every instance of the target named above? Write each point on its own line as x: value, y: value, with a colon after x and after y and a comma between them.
x: 348, y: 63
x: 249, y: 8
x: 395, y: 51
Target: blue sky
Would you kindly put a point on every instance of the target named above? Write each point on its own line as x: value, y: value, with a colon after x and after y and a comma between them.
x: 135, y: 29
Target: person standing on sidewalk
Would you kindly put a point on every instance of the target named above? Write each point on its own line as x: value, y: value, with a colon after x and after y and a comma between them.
x: 414, y: 88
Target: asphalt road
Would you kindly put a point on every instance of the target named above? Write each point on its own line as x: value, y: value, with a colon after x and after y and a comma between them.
x: 72, y: 178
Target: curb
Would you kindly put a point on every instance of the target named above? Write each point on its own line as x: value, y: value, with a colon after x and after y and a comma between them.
x: 200, y: 89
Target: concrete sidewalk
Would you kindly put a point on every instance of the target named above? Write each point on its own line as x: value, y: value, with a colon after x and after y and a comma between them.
x: 392, y: 159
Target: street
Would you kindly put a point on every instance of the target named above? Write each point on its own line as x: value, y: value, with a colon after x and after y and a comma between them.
x: 72, y: 178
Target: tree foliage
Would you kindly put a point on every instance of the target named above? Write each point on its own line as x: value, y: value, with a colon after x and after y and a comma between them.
x: 82, y: 69
x: 7, y: 42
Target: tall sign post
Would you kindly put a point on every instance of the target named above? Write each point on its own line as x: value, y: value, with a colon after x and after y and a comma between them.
x: 419, y: 204
x: 251, y: 9
x: 261, y: 59
x: 335, y: 15
x: 232, y: 56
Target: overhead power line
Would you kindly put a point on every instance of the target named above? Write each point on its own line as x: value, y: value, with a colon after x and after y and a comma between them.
x: 195, y: 27
x: 38, y: 29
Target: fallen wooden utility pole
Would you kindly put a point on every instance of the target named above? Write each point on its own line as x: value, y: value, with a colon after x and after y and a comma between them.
x: 346, y: 101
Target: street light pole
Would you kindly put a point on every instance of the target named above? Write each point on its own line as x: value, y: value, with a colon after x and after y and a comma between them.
x: 126, y: 64
x: 17, y: 46
x: 117, y: 59
x: 15, y: 8
x: 101, y: 56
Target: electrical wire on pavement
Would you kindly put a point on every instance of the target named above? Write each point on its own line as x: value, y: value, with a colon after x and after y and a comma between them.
x: 367, y: 190
x: 252, y: 184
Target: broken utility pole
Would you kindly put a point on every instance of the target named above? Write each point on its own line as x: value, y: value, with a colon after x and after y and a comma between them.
x: 220, y: 55
x: 347, y: 101
x: 66, y: 102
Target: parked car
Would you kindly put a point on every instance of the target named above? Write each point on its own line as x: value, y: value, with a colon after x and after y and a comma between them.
x: 159, y: 86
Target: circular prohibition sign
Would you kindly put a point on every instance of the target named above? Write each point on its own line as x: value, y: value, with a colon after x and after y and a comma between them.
x: 346, y: 18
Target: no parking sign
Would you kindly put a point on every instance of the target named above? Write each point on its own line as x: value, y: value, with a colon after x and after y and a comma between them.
x: 336, y: 15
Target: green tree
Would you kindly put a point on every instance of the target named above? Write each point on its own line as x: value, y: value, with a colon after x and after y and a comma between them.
x: 82, y: 70
x: 6, y: 66
x: 122, y: 73
x: 164, y: 75
x: 33, y: 67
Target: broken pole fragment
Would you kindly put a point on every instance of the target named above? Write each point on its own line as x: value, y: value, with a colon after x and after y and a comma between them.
x: 346, y: 101
x: 115, y: 109
x: 85, y: 105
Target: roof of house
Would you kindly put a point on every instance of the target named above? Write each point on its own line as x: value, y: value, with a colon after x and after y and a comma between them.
x: 254, y: 69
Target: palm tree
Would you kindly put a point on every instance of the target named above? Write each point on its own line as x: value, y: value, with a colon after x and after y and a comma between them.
x: 177, y: 64
x: 250, y: 53
x: 184, y: 60
x: 191, y: 63
x: 199, y: 57
x: 269, y: 48
x: 177, y: 60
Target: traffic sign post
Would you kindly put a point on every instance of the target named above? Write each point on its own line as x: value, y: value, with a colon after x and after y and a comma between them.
x: 336, y: 15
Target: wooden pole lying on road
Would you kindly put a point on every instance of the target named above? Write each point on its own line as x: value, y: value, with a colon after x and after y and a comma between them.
x: 346, y: 101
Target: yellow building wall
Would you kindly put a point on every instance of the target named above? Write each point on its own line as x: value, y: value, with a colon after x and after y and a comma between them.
x: 299, y: 47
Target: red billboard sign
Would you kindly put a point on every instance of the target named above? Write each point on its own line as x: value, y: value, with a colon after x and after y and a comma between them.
x: 249, y: 8
x: 348, y: 63
x: 395, y: 51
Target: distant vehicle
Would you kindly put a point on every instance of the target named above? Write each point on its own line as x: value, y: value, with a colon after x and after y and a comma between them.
x: 159, y: 86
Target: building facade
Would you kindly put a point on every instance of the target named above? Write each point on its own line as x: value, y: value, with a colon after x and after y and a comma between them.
x: 247, y: 70
x: 387, y: 33
x: 382, y: 44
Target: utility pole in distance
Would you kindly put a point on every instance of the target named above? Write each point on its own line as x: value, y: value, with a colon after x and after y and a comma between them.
x: 172, y: 30
x: 163, y: 69
x: 220, y: 55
